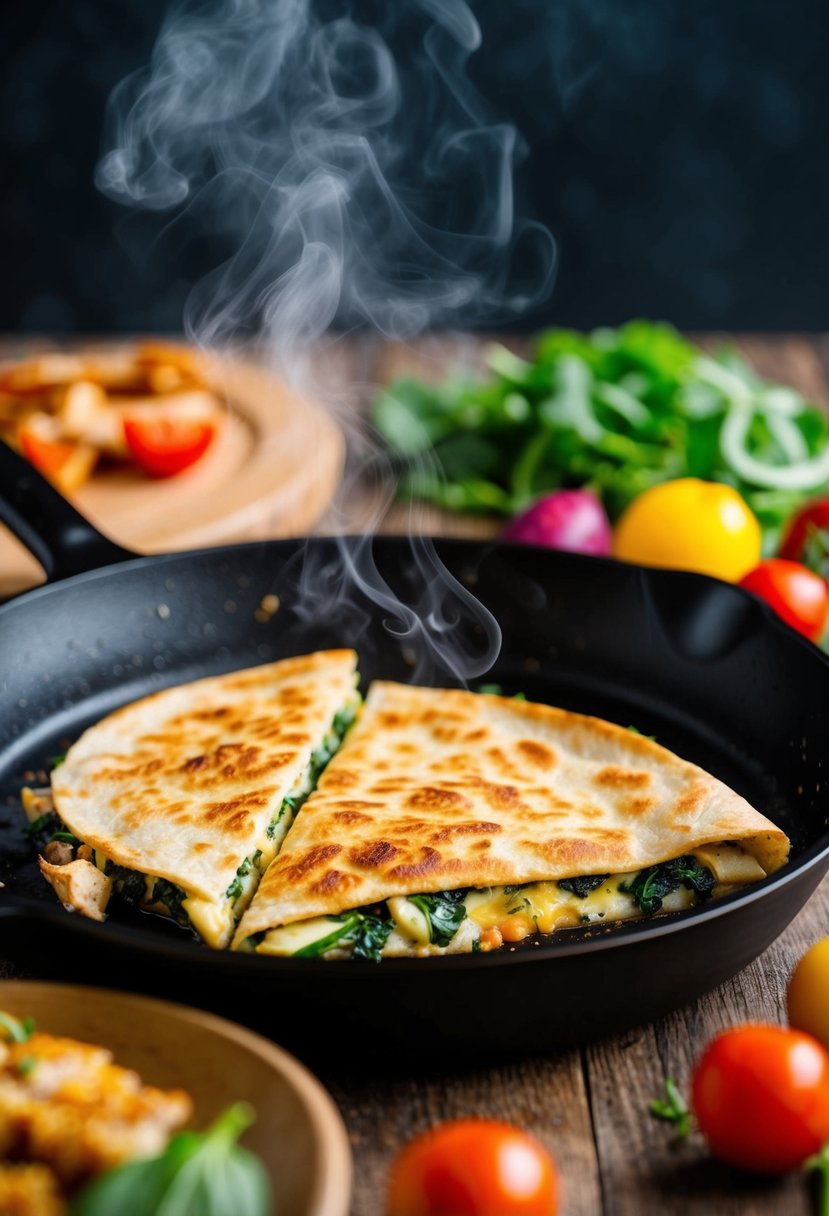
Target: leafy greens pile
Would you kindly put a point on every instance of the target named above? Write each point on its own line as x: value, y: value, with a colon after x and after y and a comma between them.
x: 616, y: 410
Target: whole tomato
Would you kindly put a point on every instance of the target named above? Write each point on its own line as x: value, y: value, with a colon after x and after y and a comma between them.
x: 807, y: 1000
x: 761, y: 1097
x: 807, y: 536
x: 690, y: 524
x: 473, y: 1167
x: 798, y: 595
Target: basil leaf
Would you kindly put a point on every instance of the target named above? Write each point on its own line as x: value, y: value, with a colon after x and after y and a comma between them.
x: 199, y: 1174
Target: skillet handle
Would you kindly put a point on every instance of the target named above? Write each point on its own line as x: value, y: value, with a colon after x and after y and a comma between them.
x: 53, y: 531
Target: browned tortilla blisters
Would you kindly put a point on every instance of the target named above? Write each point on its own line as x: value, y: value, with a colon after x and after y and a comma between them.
x: 184, y: 784
x: 437, y: 790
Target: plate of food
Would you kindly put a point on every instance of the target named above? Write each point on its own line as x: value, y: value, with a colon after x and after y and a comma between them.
x: 533, y: 864
x: 112, y: 1102
x: 167, y: 447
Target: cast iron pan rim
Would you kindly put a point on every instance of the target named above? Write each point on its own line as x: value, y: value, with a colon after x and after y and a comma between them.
x: 647, y: 574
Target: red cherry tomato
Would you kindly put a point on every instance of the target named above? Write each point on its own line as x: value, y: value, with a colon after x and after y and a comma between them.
x: 473, y: 1167
x: 807, y: 536
x: 761, y: 1097
x: 798, y: 595
x: 163, y: 447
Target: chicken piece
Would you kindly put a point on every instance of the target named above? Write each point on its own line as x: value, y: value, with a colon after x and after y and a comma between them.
x: 59, y: 852
x: 66, y: 1104
x: 80, y: 886
x: 86, y: 415
x: 41, y: 374
x: 29, y: 1190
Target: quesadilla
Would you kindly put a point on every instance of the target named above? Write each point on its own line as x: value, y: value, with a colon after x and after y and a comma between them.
x: 456, y: 821
x: 180, y: 800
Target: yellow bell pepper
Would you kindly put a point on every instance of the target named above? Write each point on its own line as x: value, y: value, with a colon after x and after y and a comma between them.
x: 690, y: 524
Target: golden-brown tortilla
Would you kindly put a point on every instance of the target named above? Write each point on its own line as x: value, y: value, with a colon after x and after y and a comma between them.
x: 183, y: 784
x: 437, y: 790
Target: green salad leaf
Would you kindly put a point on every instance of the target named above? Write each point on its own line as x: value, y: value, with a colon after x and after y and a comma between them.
x: 618, y: 410
x: 199, y: 1174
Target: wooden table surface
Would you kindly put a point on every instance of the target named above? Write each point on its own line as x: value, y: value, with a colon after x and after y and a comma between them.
x: 589, y: 1105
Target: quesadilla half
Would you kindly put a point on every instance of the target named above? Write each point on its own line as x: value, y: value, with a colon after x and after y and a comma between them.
x: 456, y: 821
x: 180, y: 800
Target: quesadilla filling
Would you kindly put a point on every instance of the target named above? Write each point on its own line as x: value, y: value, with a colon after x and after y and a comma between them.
x: 84, y: 878
x: 461, y: 921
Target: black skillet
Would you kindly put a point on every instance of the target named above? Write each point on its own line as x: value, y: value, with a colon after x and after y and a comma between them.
x: 701, y: 665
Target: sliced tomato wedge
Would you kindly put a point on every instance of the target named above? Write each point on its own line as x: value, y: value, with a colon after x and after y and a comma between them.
x: 47, y: 455
x: 67, y: 465
x: 163, y: 447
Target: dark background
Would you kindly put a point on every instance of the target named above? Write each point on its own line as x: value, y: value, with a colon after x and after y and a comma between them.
x: 677, y: 150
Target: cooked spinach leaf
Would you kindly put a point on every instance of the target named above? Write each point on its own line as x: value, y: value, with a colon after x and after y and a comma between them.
x: 171, y: 896
x: 129, y: 884
x: 365, y: 933
x: 45, y: 825
x: 237, y: 886
x: 288, y: 804
x: 370, y: 937
x: 650, y: 886
x: 583, y: 885
x: 346, y: 923
x: 444, y: 913
x: 67, y: 837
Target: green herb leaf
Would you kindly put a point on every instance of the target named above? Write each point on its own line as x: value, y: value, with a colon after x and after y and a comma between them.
x: 199, y: 1174
x: 672, y: 1109
x: 819, y: 1163
x: 16, y: 1030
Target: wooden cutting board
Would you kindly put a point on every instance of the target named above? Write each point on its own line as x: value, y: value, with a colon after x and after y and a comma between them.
x: 271, y: 471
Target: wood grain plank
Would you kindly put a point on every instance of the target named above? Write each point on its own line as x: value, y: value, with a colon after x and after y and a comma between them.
x: 643, y: 1167
x: 546, y: 1096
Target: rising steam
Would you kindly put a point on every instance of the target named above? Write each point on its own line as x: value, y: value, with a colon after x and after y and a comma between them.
x: 358, y: 180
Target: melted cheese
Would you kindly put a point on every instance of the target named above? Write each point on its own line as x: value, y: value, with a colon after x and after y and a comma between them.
x: 292, y: 938
x: 213, y: 922
x: 544, y: 905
